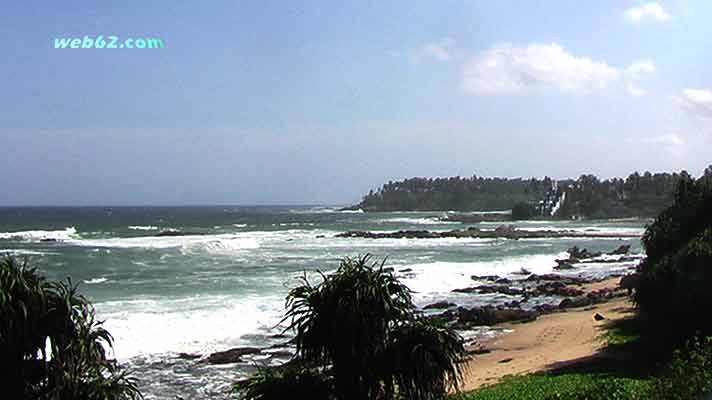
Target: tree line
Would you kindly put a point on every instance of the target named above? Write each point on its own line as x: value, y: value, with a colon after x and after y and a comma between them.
x: 638, y: 195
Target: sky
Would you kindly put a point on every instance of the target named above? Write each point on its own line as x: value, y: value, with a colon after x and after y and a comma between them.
x: 316, y: 102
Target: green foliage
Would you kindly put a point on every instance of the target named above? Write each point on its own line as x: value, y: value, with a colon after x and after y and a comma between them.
x: 689, y: 375
x: 290, y: 381
x: 359, y: 326
x: 673, y: 293
x: 36, y: 313
x: 636, y: 196
x: 568, y: 386
x: 463, y: 194
x: 522, y: 211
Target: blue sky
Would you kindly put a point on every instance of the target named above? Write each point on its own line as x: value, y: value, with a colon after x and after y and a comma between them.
x: 317, y: 102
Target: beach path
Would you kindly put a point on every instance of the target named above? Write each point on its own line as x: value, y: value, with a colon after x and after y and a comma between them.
x: 551, y: 341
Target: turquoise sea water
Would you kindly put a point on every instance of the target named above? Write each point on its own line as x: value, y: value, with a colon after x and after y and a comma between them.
x: 224, y: 286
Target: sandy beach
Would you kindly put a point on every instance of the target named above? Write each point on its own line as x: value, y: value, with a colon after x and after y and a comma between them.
x: 550, y: 341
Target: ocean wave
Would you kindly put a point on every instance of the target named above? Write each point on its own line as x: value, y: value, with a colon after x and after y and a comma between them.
x: 95, y: 281
x: 359, y: 211
x: 417, y: 221
x: 40, y: 235
x: 440, y: 277
x: 196, y: 324
x: 211, y: 243
x: 24, y: 252
x: 143, y: 228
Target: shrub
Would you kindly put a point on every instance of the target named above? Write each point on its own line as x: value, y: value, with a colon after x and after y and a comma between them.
x: 360, y: 326
x: 290, y: 381
x: 689, y: 375
x: 672, y: 295
x: 37, y: 315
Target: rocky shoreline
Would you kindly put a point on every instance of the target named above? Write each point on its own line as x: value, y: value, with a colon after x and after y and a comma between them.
x: 501, y: 232
x: 563, y: 292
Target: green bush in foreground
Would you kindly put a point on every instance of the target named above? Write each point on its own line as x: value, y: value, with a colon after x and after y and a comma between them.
x: 359, y: 327
x: 568, y: 386
x: 689, y: 375
x: 51, y: 347
x: 672, y: 294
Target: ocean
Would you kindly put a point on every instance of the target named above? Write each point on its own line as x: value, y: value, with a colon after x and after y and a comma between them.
x: 225, y: 283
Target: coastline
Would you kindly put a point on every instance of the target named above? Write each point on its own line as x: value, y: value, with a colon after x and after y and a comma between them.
x: 551, y: 341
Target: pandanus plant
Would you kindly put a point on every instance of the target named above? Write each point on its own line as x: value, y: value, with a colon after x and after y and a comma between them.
x: 359, y: 330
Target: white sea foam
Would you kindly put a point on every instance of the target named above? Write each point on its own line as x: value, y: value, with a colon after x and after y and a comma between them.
x: 239, y: 225
x: 143, y: 228
x: 196, y: 324
x: 218, y: 243
x: 417, y: 221
x: 95, y: 281
x: 24, y: 252
x: 38, y: 235
x: 442, y: 277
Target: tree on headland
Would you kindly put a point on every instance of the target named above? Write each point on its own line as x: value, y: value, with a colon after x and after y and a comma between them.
x: 51, y: 346
x: 359, y: 334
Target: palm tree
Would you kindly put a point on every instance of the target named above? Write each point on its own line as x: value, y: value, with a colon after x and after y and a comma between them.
x: 40, y: 315
x: 360, y: 326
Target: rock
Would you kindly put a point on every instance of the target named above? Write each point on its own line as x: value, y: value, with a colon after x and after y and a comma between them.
x: 572, y: 302
x: 621, y: 250
x: 557, y: 289
x: 577, y: 254
x: 491, y: 278
x: 522, y: 271
x: 563, y: 264
x: 439, y: 305
x: 506, y: 230
x: 503, y: 289
x: 506, y: 360
x: 489, y: 315
x: 188, y: 356
x: 546, y: 308
x: 232, y: 355
x: 569, y: 280
x: 404, y: 270
x: 513, y: 304
x: 502, y: 231
x: 320, y: 236
x: 503, y: 281
x: 598, y: 317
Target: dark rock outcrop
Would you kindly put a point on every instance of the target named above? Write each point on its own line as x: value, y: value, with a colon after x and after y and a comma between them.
x: 504, y: 231
x: 232, y: 355
x: 621, y: 250
x: 439, y: 305
x: 489, y: 315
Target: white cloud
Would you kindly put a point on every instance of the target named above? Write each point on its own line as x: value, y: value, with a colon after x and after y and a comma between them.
x: 509, y: 69
x: 636, y: 72
x: 441, y: 50
x: 635, y: 90
x: 672, y: 143
x: 697, y: 102
x: 646, y: 12
x: 641, y: 69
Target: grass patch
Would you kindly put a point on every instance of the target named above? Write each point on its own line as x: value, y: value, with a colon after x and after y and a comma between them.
x: 563, y: 386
